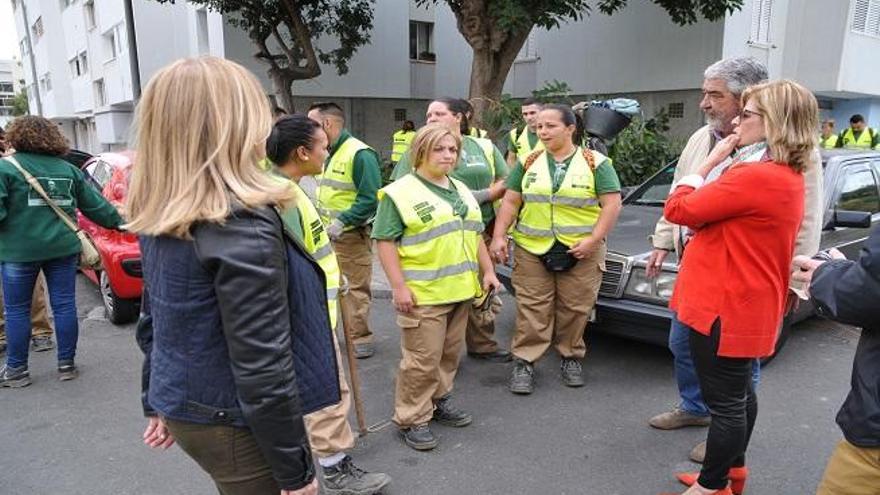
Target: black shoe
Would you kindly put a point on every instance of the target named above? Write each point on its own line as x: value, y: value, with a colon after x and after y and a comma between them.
x: 347, y: 479
x: 522, y: 378
x: 42, y: 344
x: 446, y: 414
x: 363, y: 351
x: 14, y: 377
x: 496, y: 356
x: 67, y: 370
x: 572, y: 373
x: 419, y: 437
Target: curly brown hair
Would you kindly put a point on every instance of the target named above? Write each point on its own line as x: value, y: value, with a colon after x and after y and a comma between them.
x: 32, y: 134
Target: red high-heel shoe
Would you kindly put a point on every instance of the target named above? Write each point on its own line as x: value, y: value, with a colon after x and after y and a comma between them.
x: 736, y: 475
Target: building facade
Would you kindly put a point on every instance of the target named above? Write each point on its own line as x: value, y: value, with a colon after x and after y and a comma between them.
x: 10, y: 85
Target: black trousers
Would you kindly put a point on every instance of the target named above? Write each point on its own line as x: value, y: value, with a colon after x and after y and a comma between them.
x: 726, y: 385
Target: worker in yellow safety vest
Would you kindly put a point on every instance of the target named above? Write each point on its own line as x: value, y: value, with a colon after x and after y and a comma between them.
x: 401, y: 139
x: 858, y: 135
x: 523, y: 141
x: 298, y: 146
x: 828, y: 139
x: 481, y: 168
x: 563, y: 200
x: 346, y: 200
x: 428, y: 237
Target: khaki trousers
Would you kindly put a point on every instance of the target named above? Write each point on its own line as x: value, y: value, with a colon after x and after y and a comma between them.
x: 355, y: 255
x: 229, y: 455
x: 431, y: 338
x: 39, y: 312
x: 480, y: 337
x: 851, y: 470
x: 329, y: 430
x: 553, y: 307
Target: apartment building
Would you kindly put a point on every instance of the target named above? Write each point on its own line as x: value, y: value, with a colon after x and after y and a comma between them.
x: 10, y: 76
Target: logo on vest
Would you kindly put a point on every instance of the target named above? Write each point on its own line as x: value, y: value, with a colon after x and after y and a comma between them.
x: 531, y: 178
x: 423, y: 210
x: 317, y: 228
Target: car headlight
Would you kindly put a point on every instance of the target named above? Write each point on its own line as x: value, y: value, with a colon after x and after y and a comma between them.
x: 657, y: 289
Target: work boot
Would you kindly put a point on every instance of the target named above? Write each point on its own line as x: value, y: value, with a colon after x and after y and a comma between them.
x: 347, y: 479
x: 698, y: 453
x: 446, y: 414
x: 67, y: 370
x: 522, y: 378
x: 496, y: 356
x: 572, y: 373
x: 42, y: 344
x: 363, y: 351
x: 14, y: 377
x: 419, y: 437
x: 678, y: 418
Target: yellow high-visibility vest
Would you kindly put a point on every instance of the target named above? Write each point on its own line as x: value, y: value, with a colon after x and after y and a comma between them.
x: 336, y: 190
x: 477, y: 132
x: 828, y: 143
x: 567, y: 215
x: 864, y: 141
x: 521, y: 140
x: 400, y: 143
x: 438, y: 249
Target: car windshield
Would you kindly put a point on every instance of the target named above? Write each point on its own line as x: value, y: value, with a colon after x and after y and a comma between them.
x: 655, y: 190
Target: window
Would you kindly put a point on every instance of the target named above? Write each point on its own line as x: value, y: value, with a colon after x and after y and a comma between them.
x: 866, y: 17
x: 46, y: 83
x: 79, y: 65
x: 399, y: 114
x: 66, y: 3
x: 6, y: 87
x: 89, y: 13
x: 37, y: 28
x: 760, y: 32
x: 421, y: 41
x: 84, y: 62
x: 23, y: 47
x: 74, y: 67
x: 529, y: 51
x: 112, y: 43
x: 676, y: 110
x: 100, y: 94
x: 859, y: 191
x: 202, y: 31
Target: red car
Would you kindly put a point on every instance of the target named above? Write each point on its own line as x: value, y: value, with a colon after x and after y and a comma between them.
x: 121, y: 279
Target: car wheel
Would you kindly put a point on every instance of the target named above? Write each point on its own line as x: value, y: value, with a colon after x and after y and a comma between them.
x: 117, y: 309
x: 784, y: 333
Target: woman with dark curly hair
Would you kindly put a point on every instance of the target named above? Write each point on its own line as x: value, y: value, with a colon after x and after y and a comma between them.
x: 33, y: 238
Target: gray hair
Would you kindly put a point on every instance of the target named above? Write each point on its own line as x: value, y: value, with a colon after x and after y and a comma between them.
x: 738, y: 72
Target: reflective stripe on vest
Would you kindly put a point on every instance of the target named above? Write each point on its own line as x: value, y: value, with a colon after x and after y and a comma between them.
x: 568, y: 215
x: 864, y: 141
x: 438, y: 249
x: 336, y: 190
x: 523, y: 148
x: 400, y: 143
x: 317, y: 244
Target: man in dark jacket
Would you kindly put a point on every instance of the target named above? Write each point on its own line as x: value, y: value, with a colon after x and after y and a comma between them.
x: 849, y: 292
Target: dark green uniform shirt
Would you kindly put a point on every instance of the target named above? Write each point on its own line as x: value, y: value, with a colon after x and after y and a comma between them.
x: 30, y: 230
x: 605, y: 175
x: 389, y: 224
x: 472, y: 169
x: 367, y: 178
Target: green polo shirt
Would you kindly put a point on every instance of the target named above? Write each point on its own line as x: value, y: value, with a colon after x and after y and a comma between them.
x: 472, y: 169
x: 511, y: 142
x: 389, y: 224
x: 605, y: 175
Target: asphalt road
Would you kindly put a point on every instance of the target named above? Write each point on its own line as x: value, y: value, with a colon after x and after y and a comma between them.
x: 83, y: 437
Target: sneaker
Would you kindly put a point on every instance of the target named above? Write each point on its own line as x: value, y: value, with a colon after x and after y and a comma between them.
x: 42, y: 344
x: 698, y: 453
x: 678, y: 418
x: 496, y: 356
x: 347, y: 479
x: 14, y: 377
x: 67, y: 370
x: 363, y: 351
x: 522, y: 378
x: 419, y: 437
x: 572, y: 373
x: 446, y: 414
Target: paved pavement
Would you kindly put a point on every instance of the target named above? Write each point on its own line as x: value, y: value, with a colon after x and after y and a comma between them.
x: 83, y: 437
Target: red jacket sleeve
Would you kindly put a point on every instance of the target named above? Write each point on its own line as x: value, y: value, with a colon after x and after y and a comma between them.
x: 732, y: 195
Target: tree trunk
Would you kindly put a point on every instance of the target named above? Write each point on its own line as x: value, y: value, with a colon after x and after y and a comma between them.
x: 486, y: 82
x: 283, y: 91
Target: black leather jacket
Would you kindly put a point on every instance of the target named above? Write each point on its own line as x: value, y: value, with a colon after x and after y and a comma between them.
x: 219, y: 350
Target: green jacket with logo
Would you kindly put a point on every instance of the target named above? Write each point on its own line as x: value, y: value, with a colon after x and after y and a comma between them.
x: 29, y: 229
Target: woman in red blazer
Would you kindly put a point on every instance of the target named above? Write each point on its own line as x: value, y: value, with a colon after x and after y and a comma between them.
x: 734, y: 274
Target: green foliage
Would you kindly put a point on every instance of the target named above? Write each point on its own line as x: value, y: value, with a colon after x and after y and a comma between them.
x: 554, y: 92
x: 20, y: 104
x: 503, y: 115
x: 643, y: 148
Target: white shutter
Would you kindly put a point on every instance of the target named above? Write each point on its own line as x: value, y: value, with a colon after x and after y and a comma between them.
x: 866, y: 17
x: 760, y: 29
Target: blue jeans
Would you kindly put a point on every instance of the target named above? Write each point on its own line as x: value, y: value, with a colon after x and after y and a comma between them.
x: 18, y: 290
x: 686, y: 374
